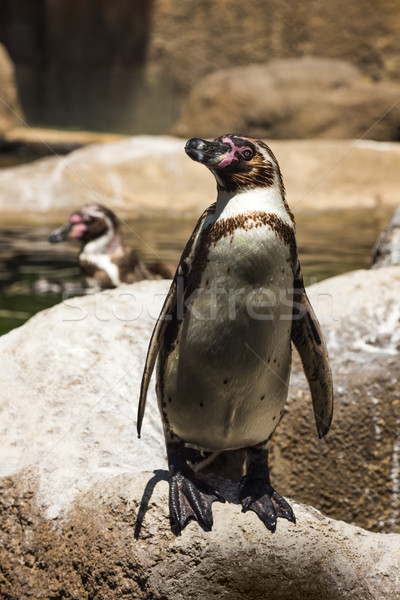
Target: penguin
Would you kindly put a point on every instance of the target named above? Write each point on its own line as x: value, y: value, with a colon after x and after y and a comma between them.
x: 223, y: 338
x: 103, y: 260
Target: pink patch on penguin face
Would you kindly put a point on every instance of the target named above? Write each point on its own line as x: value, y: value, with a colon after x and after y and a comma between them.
x: 78, y: 230
x: 79, y: 227
x: 226, y: 161
x: 75, y: 218
x: 231, y: 156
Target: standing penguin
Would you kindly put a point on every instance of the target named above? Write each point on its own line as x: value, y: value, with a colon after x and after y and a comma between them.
x: 223, y: 338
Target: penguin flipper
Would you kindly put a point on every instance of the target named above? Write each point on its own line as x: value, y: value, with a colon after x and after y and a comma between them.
x: 309, y: 341
x: 154, y: 348
x: 169, y: 307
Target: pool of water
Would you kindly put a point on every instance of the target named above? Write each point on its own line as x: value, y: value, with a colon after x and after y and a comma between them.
x: 329, y: 244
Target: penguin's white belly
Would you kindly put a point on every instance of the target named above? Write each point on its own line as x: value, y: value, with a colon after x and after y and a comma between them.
x: 226, y: 380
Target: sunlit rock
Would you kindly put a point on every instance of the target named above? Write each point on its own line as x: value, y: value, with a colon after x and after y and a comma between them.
x: 116, y: 542
x: 354, y: 473
x: 290, y: 99
x: 84, y: 502
x: 148, y: 175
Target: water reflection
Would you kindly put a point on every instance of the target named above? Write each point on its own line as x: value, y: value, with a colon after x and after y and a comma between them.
x: 329, y: 244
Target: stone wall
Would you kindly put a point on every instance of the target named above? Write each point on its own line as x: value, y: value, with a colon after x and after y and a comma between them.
x: 197, y: 37
x: 129, y: 64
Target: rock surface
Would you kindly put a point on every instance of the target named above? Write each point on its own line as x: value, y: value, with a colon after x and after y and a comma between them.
x: 116, y: 543
x: 129, y: 64
x: 387, y: 249
x: 191, y: 40
x: 80, y: 366
x: 74, y: 520
x: 353, y: 473
x: 49, y: 142
x: 70, y: 379
x: 9, y: 105
x: 146, y: 174
x: 292, y: 99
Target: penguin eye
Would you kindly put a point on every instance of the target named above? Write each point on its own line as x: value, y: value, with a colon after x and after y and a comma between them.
x: 247, y: 153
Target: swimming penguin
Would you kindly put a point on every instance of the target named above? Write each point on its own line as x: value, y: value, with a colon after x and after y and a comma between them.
x: 223, y: 338
x: 104, y: 261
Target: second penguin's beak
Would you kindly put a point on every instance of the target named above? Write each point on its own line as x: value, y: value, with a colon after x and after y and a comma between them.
x: 59, y: 234
x: 210, y: 154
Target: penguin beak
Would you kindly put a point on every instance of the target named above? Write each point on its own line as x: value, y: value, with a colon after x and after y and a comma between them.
x: 59, y: 234
x: 210, y: 154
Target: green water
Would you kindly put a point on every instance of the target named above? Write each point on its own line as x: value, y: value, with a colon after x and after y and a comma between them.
x: 329, y: 244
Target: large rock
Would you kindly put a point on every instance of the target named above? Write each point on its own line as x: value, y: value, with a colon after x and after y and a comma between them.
x: 70, y: 381
x: 291, y: 99
x: 80, y: 519
x: 10, y: 109
x: 353, y: 473
x: 116, y: 543
x: 145, y: 174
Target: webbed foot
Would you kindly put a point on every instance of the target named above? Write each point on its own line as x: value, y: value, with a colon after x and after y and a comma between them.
x: 260, y: 497
x: 257, y: 494
x: 190, y: 498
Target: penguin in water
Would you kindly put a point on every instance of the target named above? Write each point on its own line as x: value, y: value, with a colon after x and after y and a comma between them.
x: 104, y: 261
x: 223, y: 338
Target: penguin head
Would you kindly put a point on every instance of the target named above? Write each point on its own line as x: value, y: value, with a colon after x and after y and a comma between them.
x: 237, y: 161
x: 89, y: 223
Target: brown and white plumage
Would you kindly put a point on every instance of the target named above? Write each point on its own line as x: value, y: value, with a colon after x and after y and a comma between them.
x: 104, y: 261
x: 224, y: 336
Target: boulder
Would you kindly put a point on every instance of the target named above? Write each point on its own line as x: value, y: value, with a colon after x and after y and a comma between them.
x: 10, y: 110
x: 116, y: 543
x: 290, y: 99
x: 354, y: 472
x: 70, y: 377
x: 144, y: 175
x: 387, y: 248
x: 83, y: 506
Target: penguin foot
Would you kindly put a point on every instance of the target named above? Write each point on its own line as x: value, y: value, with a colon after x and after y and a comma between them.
x: 191, y: 499
x: 259, y: 496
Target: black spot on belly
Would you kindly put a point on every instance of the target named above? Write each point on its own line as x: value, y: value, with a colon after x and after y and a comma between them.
x: 274, y: 417
x: 225, y: 381
x: 201, y: 404
x: 262, y: 397
x: 169, y: 399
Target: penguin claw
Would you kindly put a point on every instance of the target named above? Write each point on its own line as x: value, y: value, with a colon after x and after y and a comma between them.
x: 260, y: 497
x: 191, y: 499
